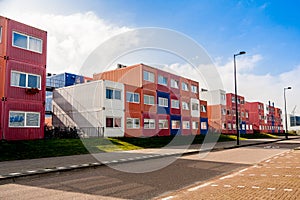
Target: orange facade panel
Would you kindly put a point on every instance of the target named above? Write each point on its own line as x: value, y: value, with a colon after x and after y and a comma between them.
x: 3, y: 35
x: 128, y: 75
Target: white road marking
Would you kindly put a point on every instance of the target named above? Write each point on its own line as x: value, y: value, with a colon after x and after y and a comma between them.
x: 214, y: 185
x: 114, y: 161
x: 227, y: 186
x: 130, y: 158
x: 270, y: 188
x: 106, y: 162
x: 31, y: 171
x: 96, y: 163
x: 13, y: 174
x: 85, y: 165
x: 251, y: 174
x: 243, y: 170
x: 168, y: 198
x: 61, y: 168
x: 263, y: 175
x: 73, y: 166
x: 288, y: 175
x: 123, y: 159
x: 255, y: 187
x: 240, y: 186
x: 275, y: 175
x: 199, y: 186
x: 288, y: 190
x: 267, y: 161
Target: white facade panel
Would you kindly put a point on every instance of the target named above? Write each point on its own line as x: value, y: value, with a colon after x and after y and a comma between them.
x: 214, y: 97
x: 195, y: 107
x: 87, y: 105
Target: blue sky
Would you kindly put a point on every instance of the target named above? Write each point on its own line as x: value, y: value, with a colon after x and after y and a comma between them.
x: 268, y: 28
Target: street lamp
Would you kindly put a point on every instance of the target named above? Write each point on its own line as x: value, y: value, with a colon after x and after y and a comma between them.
x: 236, y: 102
x: 286, y: 126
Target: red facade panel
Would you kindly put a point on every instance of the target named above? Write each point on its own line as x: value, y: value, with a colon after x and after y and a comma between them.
x: 185, y: 112
x: 133, y: 106
x: 145, y: 106
x: 186, y: 128
x: 133, y: 132
x: 149, y: 131
x: 16, y: 53
x: 2, y: 76
x: 21, y: 133
x: 13, y: 92
x: 185, y: 93
x: 164, y: 131
x: 174, y: 110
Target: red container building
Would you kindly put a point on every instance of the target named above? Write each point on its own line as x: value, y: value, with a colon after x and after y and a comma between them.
x: 22, y: 86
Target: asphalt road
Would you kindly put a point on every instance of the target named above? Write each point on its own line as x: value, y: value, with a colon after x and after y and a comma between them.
x: 107, y: 183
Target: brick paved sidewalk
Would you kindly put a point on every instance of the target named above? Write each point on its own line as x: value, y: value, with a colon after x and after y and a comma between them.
x: 275, y: 178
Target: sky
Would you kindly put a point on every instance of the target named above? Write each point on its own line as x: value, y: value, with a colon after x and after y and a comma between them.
x: 268, y: 31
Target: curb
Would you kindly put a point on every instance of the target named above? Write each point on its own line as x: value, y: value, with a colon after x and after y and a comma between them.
x: 11, y: 177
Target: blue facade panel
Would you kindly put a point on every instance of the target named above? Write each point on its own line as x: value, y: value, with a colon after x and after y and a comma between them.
x: 63, y: 80
x: 204, y: 131
x: 162, y: 109
x: 175, y: 130
x: 243, y: 128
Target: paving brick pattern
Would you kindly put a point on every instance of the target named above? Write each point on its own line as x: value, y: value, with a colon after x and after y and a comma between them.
x: 275, y: 178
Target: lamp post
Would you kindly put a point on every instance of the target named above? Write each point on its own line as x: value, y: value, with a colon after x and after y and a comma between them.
x: 236, y: 102
x: 286, y: 126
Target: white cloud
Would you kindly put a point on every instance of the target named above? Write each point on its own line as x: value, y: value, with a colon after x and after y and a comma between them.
x: 71, y: 37
x: 264, y: 87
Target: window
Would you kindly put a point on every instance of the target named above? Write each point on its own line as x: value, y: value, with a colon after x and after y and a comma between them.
x: 186, y: 125
x: 203, y: 125
x: 174, y: 84
x: 184, y: 86
x: 233, y: 99
x: 148, y: 99
x: 149, y: 76
x: 202, y: 108
x: 149, y: 123
x: 195, y: 106
x: 133, y: 123
x: 175, y: 124
x: 247, y: 115
x: 24, y: 119
x: 223, y: 97
x: 195, y: 125
x: 25, y: 80
x: 194, y: 89
x: 175, y: 103
x: 113, y: 94
x: 185, y: 106
x: 132, y: 97
x: 229, y: 126
x: 162, y: 80
x: 0, y: 34
x: 27, y: 42
x: 163, y: 102
x: 163, y: 124
x: 223, y: 111
x: 113, y: 122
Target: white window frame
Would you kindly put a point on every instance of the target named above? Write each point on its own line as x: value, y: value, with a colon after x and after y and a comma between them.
x: 151, y: 123
x: 203, y: 125
x: 0, y: 34
x: 151, y: 76
x: 186, y: 125
x: 159, y: 78
x: 164, y: 100
x: 175, y: 121
x: 114, y: 124
x: 185, y: 105
x: 133, y: 123
x: 203, y: 108
x: 185, y: 86
x: 26, y: 80
x: 195, y: 125
x: 28, y: 39
x: 163, y: 122
x: 114, y: 93
x: 194, y: 89
x: 25, y: 119
x: 174, y: 84
x: 149, y: 97
x: 132, y: 93
x: 175, y: 103
x: 194, y: 107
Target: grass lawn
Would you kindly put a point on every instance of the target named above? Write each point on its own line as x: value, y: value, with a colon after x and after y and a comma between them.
x: 15, y: 150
